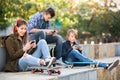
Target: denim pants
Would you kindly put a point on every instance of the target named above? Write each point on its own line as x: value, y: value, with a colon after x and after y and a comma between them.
x: 50, y: 39
x: 42, y: 52
x: 76, y: 56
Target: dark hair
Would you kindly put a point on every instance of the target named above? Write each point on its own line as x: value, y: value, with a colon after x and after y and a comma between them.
x: 20, y: 22
x: 51, y: 12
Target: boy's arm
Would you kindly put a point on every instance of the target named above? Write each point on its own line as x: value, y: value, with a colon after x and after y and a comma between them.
x: 34, y: 27
x: 33, y: 23
x: 79, y: 47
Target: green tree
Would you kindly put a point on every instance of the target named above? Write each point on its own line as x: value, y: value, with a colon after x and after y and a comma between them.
x: 87, y: 17
x: 12, y: 9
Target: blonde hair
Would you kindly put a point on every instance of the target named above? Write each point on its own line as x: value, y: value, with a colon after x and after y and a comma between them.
x: 74, y: 31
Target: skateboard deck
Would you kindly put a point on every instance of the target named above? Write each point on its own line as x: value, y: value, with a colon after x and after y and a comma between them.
x: 92, y: 64
x: 50, y: 71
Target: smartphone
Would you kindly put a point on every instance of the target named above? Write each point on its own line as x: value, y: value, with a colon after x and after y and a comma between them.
x: 54, y: 31
x: 77, y: 46
x: 32, y: 42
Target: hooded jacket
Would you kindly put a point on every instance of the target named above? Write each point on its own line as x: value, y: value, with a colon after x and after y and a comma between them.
x: 14, y: 48
x: 67, y: 48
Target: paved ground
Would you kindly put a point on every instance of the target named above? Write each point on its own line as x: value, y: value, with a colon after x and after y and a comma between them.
x: 42, y: 76
x: 66, y: 73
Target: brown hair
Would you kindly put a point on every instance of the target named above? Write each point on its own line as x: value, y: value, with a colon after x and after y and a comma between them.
x: 74, y: 31
x: 51, y: 12
x: 20, y: 22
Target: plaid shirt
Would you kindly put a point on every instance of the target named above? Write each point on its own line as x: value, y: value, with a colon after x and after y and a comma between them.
x: 36, y: 21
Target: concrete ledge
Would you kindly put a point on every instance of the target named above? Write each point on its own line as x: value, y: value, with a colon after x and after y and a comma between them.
x: 77, y: 73
x: 97, y: 51
x: 117, y: 49
x: 2, y: 57
x: 106, y: 75
x: 25, y: 76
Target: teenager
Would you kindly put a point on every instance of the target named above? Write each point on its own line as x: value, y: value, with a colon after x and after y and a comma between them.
x: 71, y: 51
x: 23, y: 53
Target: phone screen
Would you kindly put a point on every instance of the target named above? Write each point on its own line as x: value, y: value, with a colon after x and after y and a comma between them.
x: 32, y: 42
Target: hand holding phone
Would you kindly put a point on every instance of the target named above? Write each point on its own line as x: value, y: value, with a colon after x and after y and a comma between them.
x: 76, y: 46
x: 32, y: 42
x: 53, y: 31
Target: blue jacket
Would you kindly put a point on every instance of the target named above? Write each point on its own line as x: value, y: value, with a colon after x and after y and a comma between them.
x: 36, y: 21
x: 67, y: 48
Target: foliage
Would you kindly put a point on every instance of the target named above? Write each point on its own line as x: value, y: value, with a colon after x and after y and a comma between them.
x: 12, y: 9
x: 87, y: 17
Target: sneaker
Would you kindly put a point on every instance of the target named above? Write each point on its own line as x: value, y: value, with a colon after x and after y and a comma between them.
x: 60, y: 63
x: 52, y: 60
x: 113, y: 65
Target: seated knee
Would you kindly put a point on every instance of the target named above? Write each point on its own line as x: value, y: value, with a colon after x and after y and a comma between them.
x: 58, y: 37
x: 42, y: 41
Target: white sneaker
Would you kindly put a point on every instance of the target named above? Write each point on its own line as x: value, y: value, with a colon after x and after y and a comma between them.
x: 113, y: 65
x: 61, y: 63
x: 52, y: 60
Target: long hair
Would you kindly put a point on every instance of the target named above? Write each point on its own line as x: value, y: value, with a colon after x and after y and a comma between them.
x: 20, y: 22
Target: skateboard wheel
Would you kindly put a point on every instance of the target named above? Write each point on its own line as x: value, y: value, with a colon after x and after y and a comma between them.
x: 59, y: 72
x: 42, y: 71
x: 53, y: 71
x: 49, y: 72
x: 70, y: 66
x: 33, y: 71
x: 92, y: 66
x: 96, y: 65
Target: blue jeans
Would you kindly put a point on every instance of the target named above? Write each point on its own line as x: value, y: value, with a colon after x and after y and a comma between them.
x: 76, y: 56
x: 41, y: 52
x: 50, y: 39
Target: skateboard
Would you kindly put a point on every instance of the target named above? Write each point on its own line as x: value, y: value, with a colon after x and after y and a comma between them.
x: 50, y: 71
x: 92, y: 64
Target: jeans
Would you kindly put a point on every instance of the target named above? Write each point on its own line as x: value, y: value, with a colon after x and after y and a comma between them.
x: 50, y: 39
x: 75, y: 55
x: 42, y: 52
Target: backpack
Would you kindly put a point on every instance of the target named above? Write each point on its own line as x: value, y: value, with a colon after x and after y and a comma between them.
x: 52, y: 52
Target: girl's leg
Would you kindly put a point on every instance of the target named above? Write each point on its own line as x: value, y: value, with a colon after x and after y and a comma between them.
x: 42, y: 50
x: 83, y: 58
x: 29, y: 60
